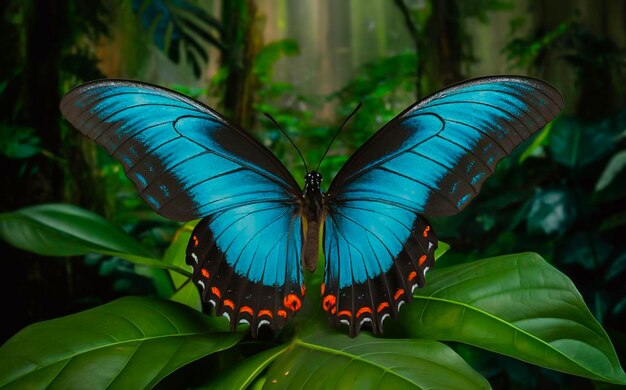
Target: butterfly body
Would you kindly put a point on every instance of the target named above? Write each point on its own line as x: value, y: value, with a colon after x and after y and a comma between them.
x: 313, y: 208
x: 259, y: 231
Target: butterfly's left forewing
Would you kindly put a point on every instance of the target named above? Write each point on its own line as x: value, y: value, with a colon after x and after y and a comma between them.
x: 187, y: 162
x: 430, y: 160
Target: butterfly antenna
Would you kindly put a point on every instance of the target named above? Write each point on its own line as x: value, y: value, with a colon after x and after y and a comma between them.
x: 289, y: 138
x: 337, y: 133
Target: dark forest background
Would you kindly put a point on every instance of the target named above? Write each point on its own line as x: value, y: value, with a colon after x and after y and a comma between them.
x: 308, y: 63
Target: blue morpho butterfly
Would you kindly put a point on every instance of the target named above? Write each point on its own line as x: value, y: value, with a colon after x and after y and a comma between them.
x: 259, y: 229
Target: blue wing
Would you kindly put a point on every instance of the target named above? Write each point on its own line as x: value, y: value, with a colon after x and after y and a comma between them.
x: 187, y: 162
x: 432, y: 159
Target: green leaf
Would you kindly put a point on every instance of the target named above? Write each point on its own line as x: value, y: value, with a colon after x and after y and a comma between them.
x: 442, y: 248
x: 589, y: 250
x: 187, y: 293
x: 536, y: 144
x: 517, y: 305
x: 129, y: 343
x: 331, y: 360
x: 613, y: 222
x: 271, y: 53
x: 616, y: 268
x: 616, y: 164
x: 244, y: 373
x: 177, y: 252
x: 575, y: 143
x: 66, y: 230
x: 19, y: 141
x: 551, y: 212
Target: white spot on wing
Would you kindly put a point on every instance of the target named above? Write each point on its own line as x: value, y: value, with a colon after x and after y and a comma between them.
x: 195, y: 258
x: 212, y: 302
x: 244, y: 321
x: 430, y: 245
x: 201, y: 284
x: 414, y: 287
x: 384, y: 317
x: 226, y: 315
x: 364, y: 320
x: 426, y: 270
x: 345, y: 322
x: 400, y: 305
x: 262, y: 322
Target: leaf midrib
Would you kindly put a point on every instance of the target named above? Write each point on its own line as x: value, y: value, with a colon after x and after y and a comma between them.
x: 356, y: 357
x: 82, y: 352
x: 531, y: 336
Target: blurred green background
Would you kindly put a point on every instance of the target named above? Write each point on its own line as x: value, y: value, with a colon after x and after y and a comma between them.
x: 308, y: 63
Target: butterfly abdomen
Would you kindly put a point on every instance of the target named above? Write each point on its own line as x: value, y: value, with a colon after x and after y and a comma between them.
x: 311, y: 246
x: 313, y: 209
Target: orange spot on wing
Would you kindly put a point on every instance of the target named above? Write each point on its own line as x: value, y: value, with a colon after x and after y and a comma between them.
x: 302, y: 289
x: 333, y: 310
x: 398, y: 294
x: 282, y: 313
x: 266, y: 312
x: 329, y: 302
x: 382, y: 306
x: 422, y: 260
x: 345, y: 313
x: 205, y: 273
x: 426, y: 230
x: 323, y: 288
x: 412, y: 275
x: 217, y: 292
x: 229, y: 303
x: 246, y: 309
x: 292, y: 302
x: 195, y: 241
x: 363, y: 310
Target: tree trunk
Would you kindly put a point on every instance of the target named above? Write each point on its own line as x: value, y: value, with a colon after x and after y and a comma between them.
x: 445, y: 54
x: 243, y: 38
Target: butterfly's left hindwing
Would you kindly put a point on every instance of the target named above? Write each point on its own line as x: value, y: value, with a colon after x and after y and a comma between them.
x: 187, y: 162
x: 430, y: 160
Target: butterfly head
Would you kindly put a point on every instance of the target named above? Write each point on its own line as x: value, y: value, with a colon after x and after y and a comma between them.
x: 312, y: 182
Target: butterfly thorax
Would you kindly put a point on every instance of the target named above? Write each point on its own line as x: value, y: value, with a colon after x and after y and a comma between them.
x: 313, y: 213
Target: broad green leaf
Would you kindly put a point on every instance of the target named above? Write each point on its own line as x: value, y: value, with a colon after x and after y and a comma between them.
x: 330, y: 360
x: 244, y: 373
x: 66, y: 230
x: 177, y: 252
x: 130, y: 343
x: 187, y: 293
x: 575, y: 143
x: 517, y: 305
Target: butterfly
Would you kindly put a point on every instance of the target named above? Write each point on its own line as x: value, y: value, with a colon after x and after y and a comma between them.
x: 259, y: 230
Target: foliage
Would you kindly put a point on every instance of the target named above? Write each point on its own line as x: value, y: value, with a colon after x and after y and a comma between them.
x: 561, y: 194
x: 180, y: 26
x: 379, y: 87
x: 19, y: 142
x: 516, y: 305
